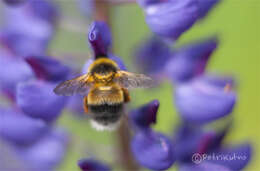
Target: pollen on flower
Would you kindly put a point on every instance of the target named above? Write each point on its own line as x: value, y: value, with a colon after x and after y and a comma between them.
x: 227, y: 87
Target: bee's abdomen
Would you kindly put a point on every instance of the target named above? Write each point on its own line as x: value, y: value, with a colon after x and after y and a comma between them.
x: 105, y: 95
x: 106, y: 114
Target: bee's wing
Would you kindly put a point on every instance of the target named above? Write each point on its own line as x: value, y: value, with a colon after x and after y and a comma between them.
x: 130, y: 80
x: 78, y: 85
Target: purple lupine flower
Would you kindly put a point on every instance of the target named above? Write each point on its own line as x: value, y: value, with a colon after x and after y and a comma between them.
x: 47, y: 153
x: 100, y: 38
x: 202, y: 101
x: 170, y: 18
x: 241, y: 152
x: 44, y: 10
x: 37, y: 99
x: 13, y: 71
x: 48, y: 68
x: 146, y: 115
x: 190, y: 60
x: 187, y: 140
x: 29, y: 27
x: 151, y: 149
x: 192, y: 143
x: 152, y: 56
x: 20, y: 129
x: 92, y: 165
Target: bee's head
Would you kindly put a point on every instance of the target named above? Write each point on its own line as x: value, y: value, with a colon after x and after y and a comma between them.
x: 103, y: 68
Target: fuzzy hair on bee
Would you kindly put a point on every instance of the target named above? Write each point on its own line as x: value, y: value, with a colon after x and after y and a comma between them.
x: 105, y: 88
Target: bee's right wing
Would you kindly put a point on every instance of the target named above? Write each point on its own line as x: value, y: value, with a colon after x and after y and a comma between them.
x: 78, y: 85
x: 131, y: 80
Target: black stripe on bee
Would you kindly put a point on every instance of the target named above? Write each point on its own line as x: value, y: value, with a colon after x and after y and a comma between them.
x: 106, y: 114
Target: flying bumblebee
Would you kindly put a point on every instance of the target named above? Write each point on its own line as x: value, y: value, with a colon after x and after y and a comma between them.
x: 105, y: 88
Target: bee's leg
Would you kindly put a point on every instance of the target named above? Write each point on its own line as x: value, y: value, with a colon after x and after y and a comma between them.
x: 126, y: 95
x: 85, y: 104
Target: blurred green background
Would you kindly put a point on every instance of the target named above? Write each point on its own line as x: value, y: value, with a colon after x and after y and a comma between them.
x: 237, y: 22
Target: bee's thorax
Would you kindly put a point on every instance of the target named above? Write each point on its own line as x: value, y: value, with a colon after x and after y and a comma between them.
x: 104, y: 77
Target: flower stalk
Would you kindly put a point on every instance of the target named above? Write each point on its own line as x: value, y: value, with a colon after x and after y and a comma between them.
x: 102, y: 13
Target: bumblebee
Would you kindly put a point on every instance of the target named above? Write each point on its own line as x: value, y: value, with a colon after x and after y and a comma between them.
x: 105, y: 89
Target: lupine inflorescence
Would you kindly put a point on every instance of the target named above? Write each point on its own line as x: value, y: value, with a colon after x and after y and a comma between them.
x: 28, y: 131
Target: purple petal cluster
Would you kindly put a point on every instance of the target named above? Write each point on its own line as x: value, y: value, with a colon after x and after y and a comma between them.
x: 190, y: 60
x: 28, y: 76
x: 171, y: 18
x: 156, y: 58
x: 200, y: 98
x: 27, y: 124
x: 151, y: 149
x: 201, y: 101
x: 152, y: 55
x: 99, y: 38
x: 19, y: 128
x: 193, y: 144
x: 27, y: 79
x: 29, y: 27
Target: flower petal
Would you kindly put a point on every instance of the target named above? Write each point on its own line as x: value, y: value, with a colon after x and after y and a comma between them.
x: 100, y: 38
x: 19, y: 128
x: 206, y: 6
x: 29, y: 27
x: 12, y: 72
x: 152, y: 150
x: 9, y: 154
x: 201, y: 102
x: 48, y: 68
x: 145, y: 115
x: 44, y: 10
x: 23, y: 45
x: 92, y: 165
x: 152, y: 55
x: 234, y: 157
x: 37, y: 99
x: 47, y: 153
x: 204, y: 166
x: 171, y: 18
x: 14, y: 2
x: 189, y: 140
x: 190, y: 60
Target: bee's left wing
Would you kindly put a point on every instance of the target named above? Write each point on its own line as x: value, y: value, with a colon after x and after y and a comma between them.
x: 131, y: 80
x: 79, y: 85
